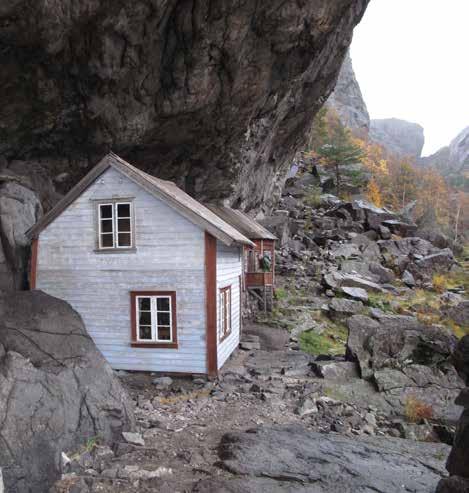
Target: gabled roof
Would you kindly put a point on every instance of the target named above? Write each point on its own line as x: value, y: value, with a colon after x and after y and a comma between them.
x: 242, y: 222
x: 163, y: 190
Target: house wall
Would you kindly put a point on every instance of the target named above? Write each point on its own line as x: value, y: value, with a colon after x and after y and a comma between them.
x: 229, y: 267
x: 170, y: 256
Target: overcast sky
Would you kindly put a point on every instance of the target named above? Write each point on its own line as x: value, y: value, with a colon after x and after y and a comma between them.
x: 411, y: 58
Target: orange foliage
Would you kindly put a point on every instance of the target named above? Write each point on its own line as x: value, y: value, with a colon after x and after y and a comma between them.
x: 416, y: 410
x: 373, y: 193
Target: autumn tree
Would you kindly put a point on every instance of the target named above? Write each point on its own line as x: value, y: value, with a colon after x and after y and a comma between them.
x: 373, y: 193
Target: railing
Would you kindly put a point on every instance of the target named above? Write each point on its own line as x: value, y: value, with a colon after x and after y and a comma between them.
x: 259, y: 279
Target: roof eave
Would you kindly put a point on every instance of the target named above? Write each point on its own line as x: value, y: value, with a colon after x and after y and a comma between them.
x: 68, y: 199
x: 184, y: 211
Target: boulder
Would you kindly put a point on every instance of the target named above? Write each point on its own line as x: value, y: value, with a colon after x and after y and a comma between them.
x: 399, y: 227
x: 359, y: 282
x: 382, y: 274
x: 56, y: 390
x: 335, y: 370
x: 397, y: 341
x: 408, y: 279
x: 406, y: 359
x: 440, y: 261
x: 393, y: 250
x: 293, y: 459
x: 133, y: 438
x: 436, y: 238
x: 361, y: 330
x: 459, y: 313
x: 385, y: 232
x: 20, y: 208
x: 338, y: 279
x: 340, y: 308
x: 356, y: 293
x: 416, y: 255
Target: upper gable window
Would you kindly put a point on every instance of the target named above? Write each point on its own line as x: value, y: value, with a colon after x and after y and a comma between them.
x: 115, y: 225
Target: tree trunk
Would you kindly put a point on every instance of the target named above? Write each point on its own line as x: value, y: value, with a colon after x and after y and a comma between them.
x: 337, y: 179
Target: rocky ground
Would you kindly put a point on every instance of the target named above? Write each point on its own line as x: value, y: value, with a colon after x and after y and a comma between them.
x: 192, y: 434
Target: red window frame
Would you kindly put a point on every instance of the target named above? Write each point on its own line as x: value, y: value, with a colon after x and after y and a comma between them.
x: 173, y: 344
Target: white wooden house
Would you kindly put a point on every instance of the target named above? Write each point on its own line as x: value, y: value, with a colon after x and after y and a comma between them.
x: 155, y: 275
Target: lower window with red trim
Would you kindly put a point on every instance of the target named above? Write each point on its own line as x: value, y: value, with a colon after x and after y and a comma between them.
x: 153, y: 319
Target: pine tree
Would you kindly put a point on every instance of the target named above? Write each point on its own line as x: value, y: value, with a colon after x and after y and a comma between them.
x: 341, y: 150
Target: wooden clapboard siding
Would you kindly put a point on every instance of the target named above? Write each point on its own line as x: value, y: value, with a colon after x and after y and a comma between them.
x: 228, y: 274
x: 170, y: 256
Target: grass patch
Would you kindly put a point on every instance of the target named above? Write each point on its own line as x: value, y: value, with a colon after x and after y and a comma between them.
x: 381, y: 301
x: 280, y: 294
x: 458, y: 330
x: 89, y: 446
x: 331, y: 341
x: 458, y: 279
x: 425, y: 305
x: 439, y: 282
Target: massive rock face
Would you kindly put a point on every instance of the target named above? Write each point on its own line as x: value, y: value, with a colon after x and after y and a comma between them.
x: 398, y: 137
x: 347, y: 100
x: 453, y: 158
x: 217, y: 95
x: 56, y: 390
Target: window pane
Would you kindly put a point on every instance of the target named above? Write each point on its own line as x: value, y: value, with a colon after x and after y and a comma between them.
x: 163, y: 318
x: 145, y: 332
x: 144, y: 318
x: 107, y: 240
x: 123, y: 225
x: 106, y: 211
x: 106, y: 226
x: 164, y: 333
x: 124, y: 239
x: 123, y: 210
x: 162, y: 304
x: 144, y: 304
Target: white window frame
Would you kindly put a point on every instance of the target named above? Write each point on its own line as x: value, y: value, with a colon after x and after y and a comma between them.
x: 115, y: 225
x: 154, y: 318
x: 225, y: 292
